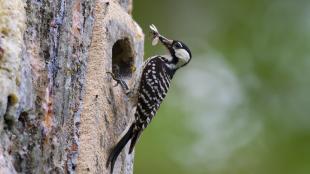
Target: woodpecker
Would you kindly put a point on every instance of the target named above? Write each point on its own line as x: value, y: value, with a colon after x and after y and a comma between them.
x: 156, y: 77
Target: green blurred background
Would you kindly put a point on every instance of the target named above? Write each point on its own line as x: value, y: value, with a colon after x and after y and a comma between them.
x: 242, y: 106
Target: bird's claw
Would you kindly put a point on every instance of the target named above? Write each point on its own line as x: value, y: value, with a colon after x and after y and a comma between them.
x: 119, y: 81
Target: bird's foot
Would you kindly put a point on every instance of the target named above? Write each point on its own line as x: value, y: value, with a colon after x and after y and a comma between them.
x: 121, y: 82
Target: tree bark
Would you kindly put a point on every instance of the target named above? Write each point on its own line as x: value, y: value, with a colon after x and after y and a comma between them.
x: 59, y: 111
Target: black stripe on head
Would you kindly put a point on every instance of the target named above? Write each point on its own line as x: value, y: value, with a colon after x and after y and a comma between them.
x: 179, y: 45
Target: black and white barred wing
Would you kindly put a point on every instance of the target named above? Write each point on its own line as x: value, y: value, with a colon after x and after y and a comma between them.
x: 153, y: 88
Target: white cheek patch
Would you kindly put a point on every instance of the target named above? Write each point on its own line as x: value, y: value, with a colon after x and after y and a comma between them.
x: 183, y: 55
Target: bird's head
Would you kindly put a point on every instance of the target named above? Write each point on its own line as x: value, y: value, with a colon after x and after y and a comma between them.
x: 179, y: 52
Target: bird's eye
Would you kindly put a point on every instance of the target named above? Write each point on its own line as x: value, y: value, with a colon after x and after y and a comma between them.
x: 178, y: 45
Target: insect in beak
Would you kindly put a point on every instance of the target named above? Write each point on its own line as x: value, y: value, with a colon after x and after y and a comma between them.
x: 158, y: 37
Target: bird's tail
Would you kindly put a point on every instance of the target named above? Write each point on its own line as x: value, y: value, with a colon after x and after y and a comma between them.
x: 119, y: 146
x: 134, y: 140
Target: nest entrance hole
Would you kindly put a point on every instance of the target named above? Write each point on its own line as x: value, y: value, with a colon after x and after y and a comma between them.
x: 123, y: 58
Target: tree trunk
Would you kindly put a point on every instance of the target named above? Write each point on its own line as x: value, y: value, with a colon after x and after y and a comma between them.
x: 59, y: 111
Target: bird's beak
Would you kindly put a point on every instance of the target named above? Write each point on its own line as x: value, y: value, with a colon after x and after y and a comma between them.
x: 165, y: 41
x: 157, y: 36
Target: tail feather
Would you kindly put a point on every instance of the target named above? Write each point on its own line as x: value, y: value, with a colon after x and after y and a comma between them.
x: 134, y: 140
x: 118, y: 148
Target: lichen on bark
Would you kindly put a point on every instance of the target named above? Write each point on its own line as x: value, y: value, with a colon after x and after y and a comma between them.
x: 11, y: 43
